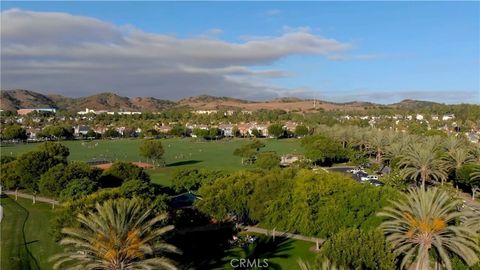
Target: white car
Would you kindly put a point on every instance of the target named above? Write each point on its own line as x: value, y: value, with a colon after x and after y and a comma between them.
x: 369, y: 177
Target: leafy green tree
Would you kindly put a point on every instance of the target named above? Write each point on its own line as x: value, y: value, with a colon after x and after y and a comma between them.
x: 179, y: 131
x: 111, y: 133
x: 57, y: 132
x: 200, y: 133
x: 301, y: 131
x: 321, y: 149
x: 57, y: 178
x: 426, y: 222
x: 55, y: 149
x: 214, y: 133
x: 140, y: 188
x: 184, y: 180
x: 256, y: 133
x: 249, y: 151
x: 256, y: 145
x: 246, y: 153
x: 276, y: 130
x: 78, y: 188
x: 320, y: 204
x: 31, y: 165
x: 358, y: 249
x: 119, y: 234
x: 268, y: 160
x: 226, y: 196
x: 235, y: 131
x: 268, y: 187
x: 152, y: 149
x: 120, y: 172
x: 92, y: 134
x: 10, y: 178
x: 151, y: 133
x: 14, y: 132
x: 6, y: 159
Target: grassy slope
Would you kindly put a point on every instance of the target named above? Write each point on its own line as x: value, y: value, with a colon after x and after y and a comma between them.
x: 21, y: 216
x: 179, y: 153
x: 14, y: 255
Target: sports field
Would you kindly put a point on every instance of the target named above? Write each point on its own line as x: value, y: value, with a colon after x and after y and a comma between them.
x: 179, y: 153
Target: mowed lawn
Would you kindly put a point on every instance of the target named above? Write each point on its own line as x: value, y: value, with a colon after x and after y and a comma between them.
x: 283, y: 252
x: 25, y: 236
x: 179, y: 153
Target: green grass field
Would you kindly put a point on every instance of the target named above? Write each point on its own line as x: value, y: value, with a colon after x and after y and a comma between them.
x: 179, y: 153
x: 25, y: 237
x: 287, y: 252
x: 30, y: 224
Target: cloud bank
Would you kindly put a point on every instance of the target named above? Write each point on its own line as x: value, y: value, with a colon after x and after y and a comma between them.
x: 76, y: 55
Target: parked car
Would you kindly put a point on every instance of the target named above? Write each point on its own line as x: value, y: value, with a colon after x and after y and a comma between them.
x: 369, y: 177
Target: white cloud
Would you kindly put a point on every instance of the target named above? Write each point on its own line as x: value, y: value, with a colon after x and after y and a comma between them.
x: 77, y: 55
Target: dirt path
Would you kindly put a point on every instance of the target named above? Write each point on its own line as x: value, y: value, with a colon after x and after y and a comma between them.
x: 252, y: 229
x: 29, y: 196
x: 467, y: 198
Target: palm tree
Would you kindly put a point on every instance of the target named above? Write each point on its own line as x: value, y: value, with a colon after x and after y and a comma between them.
x: 453, y: 143
x: 456, y: 158
x: 378, y: 142
x: 395, y: 150
x: 475, y: 174
x: 425, y: 221
x: 424, y: 160
x: 120, y: 234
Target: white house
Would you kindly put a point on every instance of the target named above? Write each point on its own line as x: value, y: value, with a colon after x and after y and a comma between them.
x: 447, y: 117
x: 419, y: 117
x: 80, y: 130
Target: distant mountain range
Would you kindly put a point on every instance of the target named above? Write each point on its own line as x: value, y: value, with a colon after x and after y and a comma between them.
x: 17, y: 99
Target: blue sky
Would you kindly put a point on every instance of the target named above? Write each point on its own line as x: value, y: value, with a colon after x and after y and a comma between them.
x: 378, y: 51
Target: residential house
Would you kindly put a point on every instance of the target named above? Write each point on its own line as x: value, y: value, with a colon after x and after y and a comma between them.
x: 262, y: 128
x: 227, y: 130
x: 447, y: 117
x: 290, y: 126
x: 80, y: 130
x: 245, y: 128
x: 163, y: 128
x: 419, y: 117
x: 289, y: 159
x: 204, y: 111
